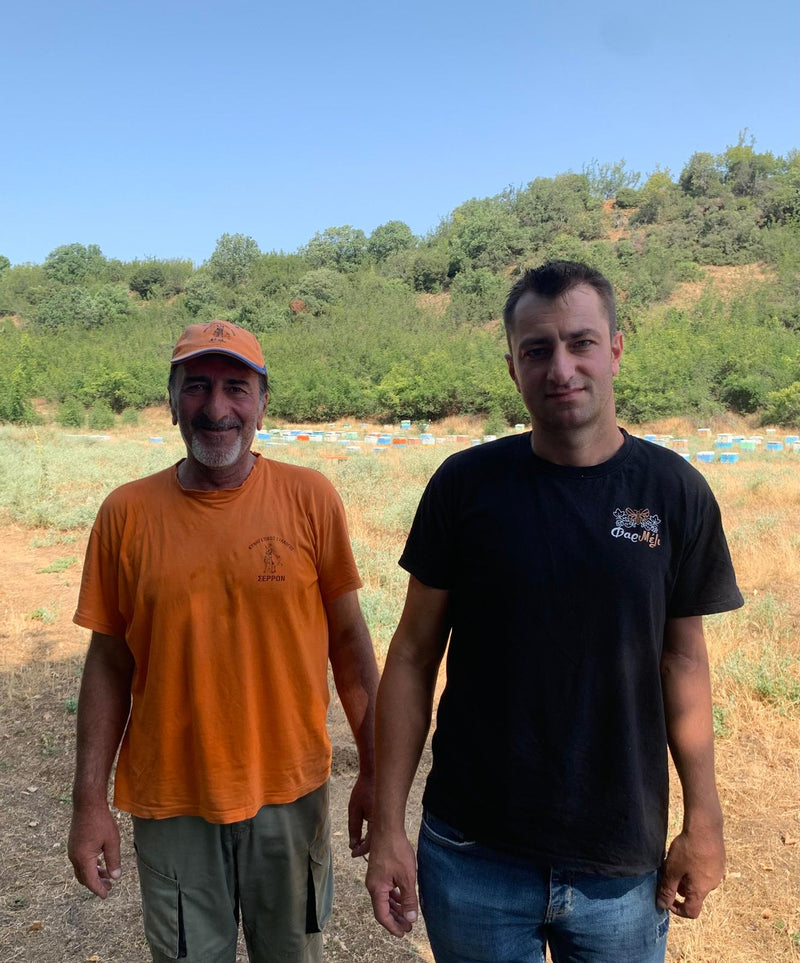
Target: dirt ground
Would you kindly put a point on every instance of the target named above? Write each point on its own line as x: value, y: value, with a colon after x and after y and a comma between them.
x: 46, y: 917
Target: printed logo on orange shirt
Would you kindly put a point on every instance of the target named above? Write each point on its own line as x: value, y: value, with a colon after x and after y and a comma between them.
x: 273, y: 550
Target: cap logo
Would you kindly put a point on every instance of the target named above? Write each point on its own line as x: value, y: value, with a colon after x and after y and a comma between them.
x: 219, y: 331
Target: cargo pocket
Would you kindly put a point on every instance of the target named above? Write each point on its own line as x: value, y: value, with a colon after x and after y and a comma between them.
x: 320, y: 883
x: 161, y: 909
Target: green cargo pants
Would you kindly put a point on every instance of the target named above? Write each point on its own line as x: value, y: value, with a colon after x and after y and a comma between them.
x: 275, y: 869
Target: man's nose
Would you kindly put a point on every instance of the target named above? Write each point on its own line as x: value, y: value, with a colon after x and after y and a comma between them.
x: 561, y: 366
x: 216, y: 406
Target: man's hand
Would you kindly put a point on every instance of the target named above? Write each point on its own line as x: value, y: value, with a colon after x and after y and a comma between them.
x: 391, y: 880
x: 359, y: 813
x: 694, y: 866
x: 93, y: 848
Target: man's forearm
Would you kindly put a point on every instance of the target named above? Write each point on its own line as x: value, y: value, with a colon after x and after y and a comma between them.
x: 403, y: 718
x: 355, y: 673
x: 695, y: 861
x: 103, y: 709
x: 690, y: 731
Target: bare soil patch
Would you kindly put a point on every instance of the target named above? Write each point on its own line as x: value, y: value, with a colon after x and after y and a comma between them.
x: 727, y: 281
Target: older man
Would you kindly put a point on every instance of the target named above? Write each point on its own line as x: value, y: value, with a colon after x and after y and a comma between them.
x: 216, y: 592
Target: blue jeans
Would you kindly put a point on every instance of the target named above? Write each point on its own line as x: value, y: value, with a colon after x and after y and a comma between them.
x: 483, y: 905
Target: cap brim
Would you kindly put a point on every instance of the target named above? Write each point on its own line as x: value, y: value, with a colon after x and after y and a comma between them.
x: 215, y: 350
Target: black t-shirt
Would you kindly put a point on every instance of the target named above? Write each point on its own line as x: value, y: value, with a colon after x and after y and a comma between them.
x: 550, y: 739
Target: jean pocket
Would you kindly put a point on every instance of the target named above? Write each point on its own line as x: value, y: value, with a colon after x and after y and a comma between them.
x: 161, y: 910
x: 443, y: 834
x: 662, y: 928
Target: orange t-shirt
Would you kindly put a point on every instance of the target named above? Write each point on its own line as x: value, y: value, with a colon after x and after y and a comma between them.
x: 220, y: 597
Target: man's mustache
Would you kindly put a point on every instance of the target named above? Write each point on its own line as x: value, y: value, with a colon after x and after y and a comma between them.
x: 206, y: 424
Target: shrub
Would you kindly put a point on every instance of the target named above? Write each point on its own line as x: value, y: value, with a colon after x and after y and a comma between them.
x: 782, y: 407
x: 496, y: 423
x: 71, y: 413
x: 100, y: 416
x: 627, y: 197
x: 130, y: 416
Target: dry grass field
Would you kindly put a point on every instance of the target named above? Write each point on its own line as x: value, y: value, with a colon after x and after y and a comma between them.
x: 51, y: 482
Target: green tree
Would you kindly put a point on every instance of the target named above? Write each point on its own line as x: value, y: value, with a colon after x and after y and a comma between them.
x: 423, y: 269
x: 100, y: 417
x: 111, y: 302
x: 202, y: 296
x: 783, y: 407
x: 658, y: 197
x: 319, y: 289
x: 607, y: 180
x: 147, y: 279
x: 74, y: 263
x: 71, y: 413
x: 482, y: 234
x: 477, y: 296
x: 781, y: 196
x: 548, y: 206
x: 114, y: 388
x: 273, y: 274
x: 339, y: 248
x: 627, y: 197
x: 744, y: 171
x: 5, y: 264
x: 21, y: 288
x: 67, y: 307
x: 701, y: 176
x: 388, y: 238
x: 15, y: 405
x: 233, y: 258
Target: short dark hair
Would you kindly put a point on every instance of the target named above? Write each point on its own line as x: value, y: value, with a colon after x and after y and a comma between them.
x: 554, y: 278
x: 263, y: 381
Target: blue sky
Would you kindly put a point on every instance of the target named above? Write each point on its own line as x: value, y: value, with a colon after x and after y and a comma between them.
x: 151, y: 128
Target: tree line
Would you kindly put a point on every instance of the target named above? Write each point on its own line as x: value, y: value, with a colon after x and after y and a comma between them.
x: 392, y: 325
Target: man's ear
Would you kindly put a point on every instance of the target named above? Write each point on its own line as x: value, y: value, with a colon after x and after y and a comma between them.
x: 511, y: 370
x: 616, y: 352
x: 260, y: 419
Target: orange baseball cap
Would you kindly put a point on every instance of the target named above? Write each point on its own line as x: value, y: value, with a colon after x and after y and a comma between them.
x: 219, y: 337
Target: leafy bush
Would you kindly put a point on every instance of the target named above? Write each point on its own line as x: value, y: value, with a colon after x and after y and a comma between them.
x: 71, y: 413
x: 477, y: 295
x: 15, y: 406
x: 100, y: 416
x: 783, y: 407
x: 67, y: 307
x: 496, y: 423
x: 627, y: 197
x: 147, y: 279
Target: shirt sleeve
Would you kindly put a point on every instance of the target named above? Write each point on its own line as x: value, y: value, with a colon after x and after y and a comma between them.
x: 98, y: 599
x: 336, y: 566
x: 429, y: 551
x: 706, y: 582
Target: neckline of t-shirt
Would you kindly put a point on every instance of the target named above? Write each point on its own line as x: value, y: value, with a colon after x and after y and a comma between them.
x: 579, y: 471
x: 220, y: 494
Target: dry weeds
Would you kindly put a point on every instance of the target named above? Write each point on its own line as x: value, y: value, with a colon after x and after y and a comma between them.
x: 45, y: 916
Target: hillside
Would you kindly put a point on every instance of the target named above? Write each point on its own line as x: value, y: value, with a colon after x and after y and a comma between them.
x: 391, y: 325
